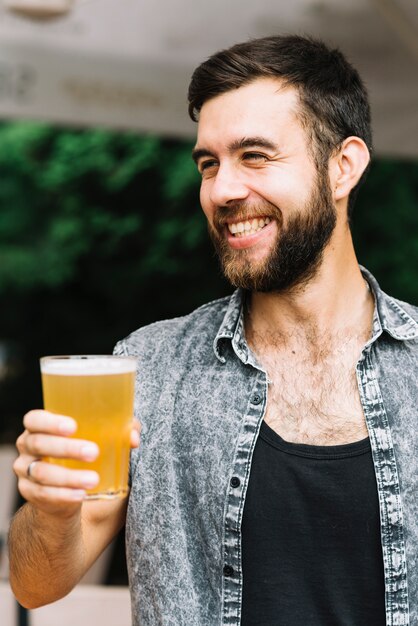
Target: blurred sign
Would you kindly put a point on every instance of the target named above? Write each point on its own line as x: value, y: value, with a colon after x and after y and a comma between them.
x: 17, y: 82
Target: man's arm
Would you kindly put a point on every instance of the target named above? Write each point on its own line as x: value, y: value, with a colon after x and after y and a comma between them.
x: 49, y: 555
x: 56, y: 536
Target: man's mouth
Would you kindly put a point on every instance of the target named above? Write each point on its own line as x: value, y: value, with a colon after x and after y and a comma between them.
x: 249, y: 227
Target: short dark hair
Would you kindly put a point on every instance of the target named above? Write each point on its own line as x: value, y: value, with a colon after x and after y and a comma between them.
x: 334, y: 101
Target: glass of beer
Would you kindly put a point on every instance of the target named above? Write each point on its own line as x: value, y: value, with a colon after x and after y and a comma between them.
x: 98, y: 392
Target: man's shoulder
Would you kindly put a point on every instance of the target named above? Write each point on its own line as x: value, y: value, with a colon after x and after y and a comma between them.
x: 397, y: 317
x: 201, y: 325
x: 411, y: 309
x: 406, y: 310
x: 400, y: 319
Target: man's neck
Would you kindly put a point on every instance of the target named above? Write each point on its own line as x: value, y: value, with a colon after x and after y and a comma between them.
x: 336, y: 302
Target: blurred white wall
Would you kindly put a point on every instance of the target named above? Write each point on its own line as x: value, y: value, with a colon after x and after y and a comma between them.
x: 126, y: 64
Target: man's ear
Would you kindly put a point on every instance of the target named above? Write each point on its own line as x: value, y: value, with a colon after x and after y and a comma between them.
x: 348, y: 166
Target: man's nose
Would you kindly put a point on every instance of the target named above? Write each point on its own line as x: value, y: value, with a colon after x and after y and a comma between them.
x: 228, y: 186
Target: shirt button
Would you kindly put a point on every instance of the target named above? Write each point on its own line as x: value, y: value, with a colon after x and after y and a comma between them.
x: 235, y: 481
x: 256, y: 399
x: 228, y: 570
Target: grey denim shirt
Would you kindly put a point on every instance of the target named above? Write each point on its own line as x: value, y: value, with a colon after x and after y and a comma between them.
x: 201, y: 397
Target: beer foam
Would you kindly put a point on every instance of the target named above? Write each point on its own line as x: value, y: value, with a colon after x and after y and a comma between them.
x: 93, y: 366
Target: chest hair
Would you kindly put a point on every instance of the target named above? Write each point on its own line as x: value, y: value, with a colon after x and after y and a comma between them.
x: 313, y: 394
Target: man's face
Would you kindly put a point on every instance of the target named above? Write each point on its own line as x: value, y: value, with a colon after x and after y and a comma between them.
x: 270, y: 212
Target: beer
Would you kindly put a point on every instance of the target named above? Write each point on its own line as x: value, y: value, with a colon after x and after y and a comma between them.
x: 98, y: 392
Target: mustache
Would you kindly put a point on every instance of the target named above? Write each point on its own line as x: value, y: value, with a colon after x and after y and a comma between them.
x: 242, y: 211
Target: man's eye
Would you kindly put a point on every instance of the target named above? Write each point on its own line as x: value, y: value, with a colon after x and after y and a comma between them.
x: 255, y: 157
x: 204, y: 166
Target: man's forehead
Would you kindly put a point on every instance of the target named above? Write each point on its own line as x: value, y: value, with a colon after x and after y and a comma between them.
x: 263, y: 91
x: 261, y: 108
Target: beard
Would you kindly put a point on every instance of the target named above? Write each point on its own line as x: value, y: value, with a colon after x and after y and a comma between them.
x: 298, y: 250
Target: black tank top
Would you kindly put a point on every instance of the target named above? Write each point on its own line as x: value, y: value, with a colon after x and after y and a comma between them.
x: 311, y: 548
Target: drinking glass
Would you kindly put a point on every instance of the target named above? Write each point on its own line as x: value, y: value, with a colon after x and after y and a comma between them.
x: 98, y: 392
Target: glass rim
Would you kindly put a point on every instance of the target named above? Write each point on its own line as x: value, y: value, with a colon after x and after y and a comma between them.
x: 84, y: 364
x: 85, y: 357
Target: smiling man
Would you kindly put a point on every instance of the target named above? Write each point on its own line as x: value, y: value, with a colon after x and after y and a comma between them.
x: 276, y: 479
x: 257, y: 167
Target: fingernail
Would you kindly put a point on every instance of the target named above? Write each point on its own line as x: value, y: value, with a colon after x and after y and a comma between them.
x: 90, y: 451
x: 90, y: 480
x: 135, y: 437
x: 67, y: 427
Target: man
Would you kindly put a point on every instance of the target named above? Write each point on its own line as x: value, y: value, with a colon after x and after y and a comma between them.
x: 276, y: 479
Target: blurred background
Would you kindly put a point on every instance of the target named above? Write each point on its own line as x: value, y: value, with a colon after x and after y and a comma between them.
x: 100, y: 225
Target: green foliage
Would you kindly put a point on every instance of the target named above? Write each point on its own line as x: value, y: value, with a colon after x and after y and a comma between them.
x: 65, y: 195
x: 385, y: 226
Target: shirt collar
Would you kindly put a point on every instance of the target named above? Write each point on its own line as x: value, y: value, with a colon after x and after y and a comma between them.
x: 232, y: 328
x: 390, y: 316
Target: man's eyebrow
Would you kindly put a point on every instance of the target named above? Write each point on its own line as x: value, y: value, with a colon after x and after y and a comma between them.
x: 239, y: 144
x: 198, y: 153
x: 253, y: 142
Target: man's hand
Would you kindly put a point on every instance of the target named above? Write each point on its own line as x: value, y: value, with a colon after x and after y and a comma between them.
x: 55, y: 538
x: 51, y: 488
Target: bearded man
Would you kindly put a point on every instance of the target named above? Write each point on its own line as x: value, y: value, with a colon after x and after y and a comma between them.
x: 276, y: 481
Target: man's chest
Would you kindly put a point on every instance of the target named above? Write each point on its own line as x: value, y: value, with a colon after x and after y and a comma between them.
x: 315, y: 401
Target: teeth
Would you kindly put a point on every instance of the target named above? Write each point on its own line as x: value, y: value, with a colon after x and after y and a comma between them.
x: 248, y: 227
